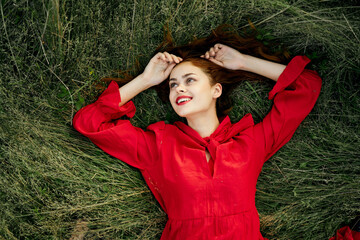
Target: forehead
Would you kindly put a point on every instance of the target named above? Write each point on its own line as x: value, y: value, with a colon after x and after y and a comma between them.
x: 184, y: 68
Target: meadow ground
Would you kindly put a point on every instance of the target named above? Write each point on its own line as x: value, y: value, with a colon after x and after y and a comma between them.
x: 54, y: 53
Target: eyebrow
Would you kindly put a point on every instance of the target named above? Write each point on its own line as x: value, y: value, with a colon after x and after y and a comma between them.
x: 184, y: 76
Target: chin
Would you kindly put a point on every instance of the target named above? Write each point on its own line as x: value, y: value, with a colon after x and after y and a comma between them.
x: 181, y: 114
x: 185, y: 114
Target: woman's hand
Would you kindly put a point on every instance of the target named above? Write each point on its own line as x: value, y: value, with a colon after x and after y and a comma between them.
x: 159, y: 68
x: 226, y: 57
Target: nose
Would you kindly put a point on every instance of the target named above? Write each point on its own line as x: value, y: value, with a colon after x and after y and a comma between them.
x: 180, y: 88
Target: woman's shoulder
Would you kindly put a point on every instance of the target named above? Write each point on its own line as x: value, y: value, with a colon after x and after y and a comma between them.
x: 167, y: 130
x: 163, y: 131
x: 156, y: 126
x: 161, y: 126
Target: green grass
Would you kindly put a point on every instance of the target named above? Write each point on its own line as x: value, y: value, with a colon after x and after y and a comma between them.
x: 53, y: 54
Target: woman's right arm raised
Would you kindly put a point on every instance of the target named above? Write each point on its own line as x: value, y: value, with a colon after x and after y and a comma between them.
x: 157, y: 70
x: 100, y: 121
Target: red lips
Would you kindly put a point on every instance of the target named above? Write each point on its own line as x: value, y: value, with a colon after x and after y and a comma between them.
x: 181, y: 100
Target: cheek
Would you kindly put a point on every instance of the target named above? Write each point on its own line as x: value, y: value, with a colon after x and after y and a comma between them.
x: 172, y: 99
x: 171, y: 95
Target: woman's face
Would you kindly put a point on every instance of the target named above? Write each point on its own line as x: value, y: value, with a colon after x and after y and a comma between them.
x: 191, y: 92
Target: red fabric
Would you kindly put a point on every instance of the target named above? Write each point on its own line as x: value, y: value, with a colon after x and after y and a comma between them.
x: 346, y: 233
x: 172, y: 159
x: 211, y: 166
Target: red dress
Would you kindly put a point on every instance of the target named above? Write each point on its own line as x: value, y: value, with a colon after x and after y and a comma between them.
x: 345, y: 233
x: 202, y: 204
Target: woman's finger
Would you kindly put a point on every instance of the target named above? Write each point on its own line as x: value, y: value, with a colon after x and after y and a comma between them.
x: 207, y: 55
x: 169, y: 59
x: 175, y: 58
x: 161, y: 56
x: 169, y: 69
x: 216, y: 61
x: 212, y: 52
x: 217, y: 47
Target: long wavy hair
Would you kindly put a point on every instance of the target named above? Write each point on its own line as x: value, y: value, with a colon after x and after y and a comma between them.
x: 246, y: 43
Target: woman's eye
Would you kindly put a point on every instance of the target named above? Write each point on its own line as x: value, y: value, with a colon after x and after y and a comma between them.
x: 172, y: 85
x: 189, y: 80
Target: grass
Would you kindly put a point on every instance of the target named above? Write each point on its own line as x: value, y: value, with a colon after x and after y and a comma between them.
x: 53, y: 54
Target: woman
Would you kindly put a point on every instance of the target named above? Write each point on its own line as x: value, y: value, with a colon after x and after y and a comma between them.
x: 203, y: 173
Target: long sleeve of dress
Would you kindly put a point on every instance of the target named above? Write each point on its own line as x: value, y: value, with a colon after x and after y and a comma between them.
x: 294, y: 95
x: 99, y: 122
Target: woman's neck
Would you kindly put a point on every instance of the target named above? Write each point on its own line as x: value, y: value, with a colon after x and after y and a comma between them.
x: 205, y: 124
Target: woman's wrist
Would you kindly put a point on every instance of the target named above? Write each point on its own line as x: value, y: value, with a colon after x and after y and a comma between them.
x: 144, y: 81
x: 251, y: 63
x: 243, y: 62
x: 133, y: 88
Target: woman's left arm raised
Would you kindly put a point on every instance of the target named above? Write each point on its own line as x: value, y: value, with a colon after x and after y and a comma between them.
x: 294, y: 94
x: 230, y: 58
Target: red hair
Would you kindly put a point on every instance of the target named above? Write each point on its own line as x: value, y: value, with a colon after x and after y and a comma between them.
x: 224, y: 34
x: 247, y: 44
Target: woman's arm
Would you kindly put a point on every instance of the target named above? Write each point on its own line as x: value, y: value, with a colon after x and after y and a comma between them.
x: 230, y: 58
x: 157, y: 70
x: 100, y: 121
x: 294, y: 94
x: 263, y: 67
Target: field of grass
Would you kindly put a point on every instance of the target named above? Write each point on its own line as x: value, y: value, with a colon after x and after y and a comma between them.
x: 54, y: 53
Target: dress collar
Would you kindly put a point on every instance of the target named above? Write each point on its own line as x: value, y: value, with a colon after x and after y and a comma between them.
x: 223, y: 132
